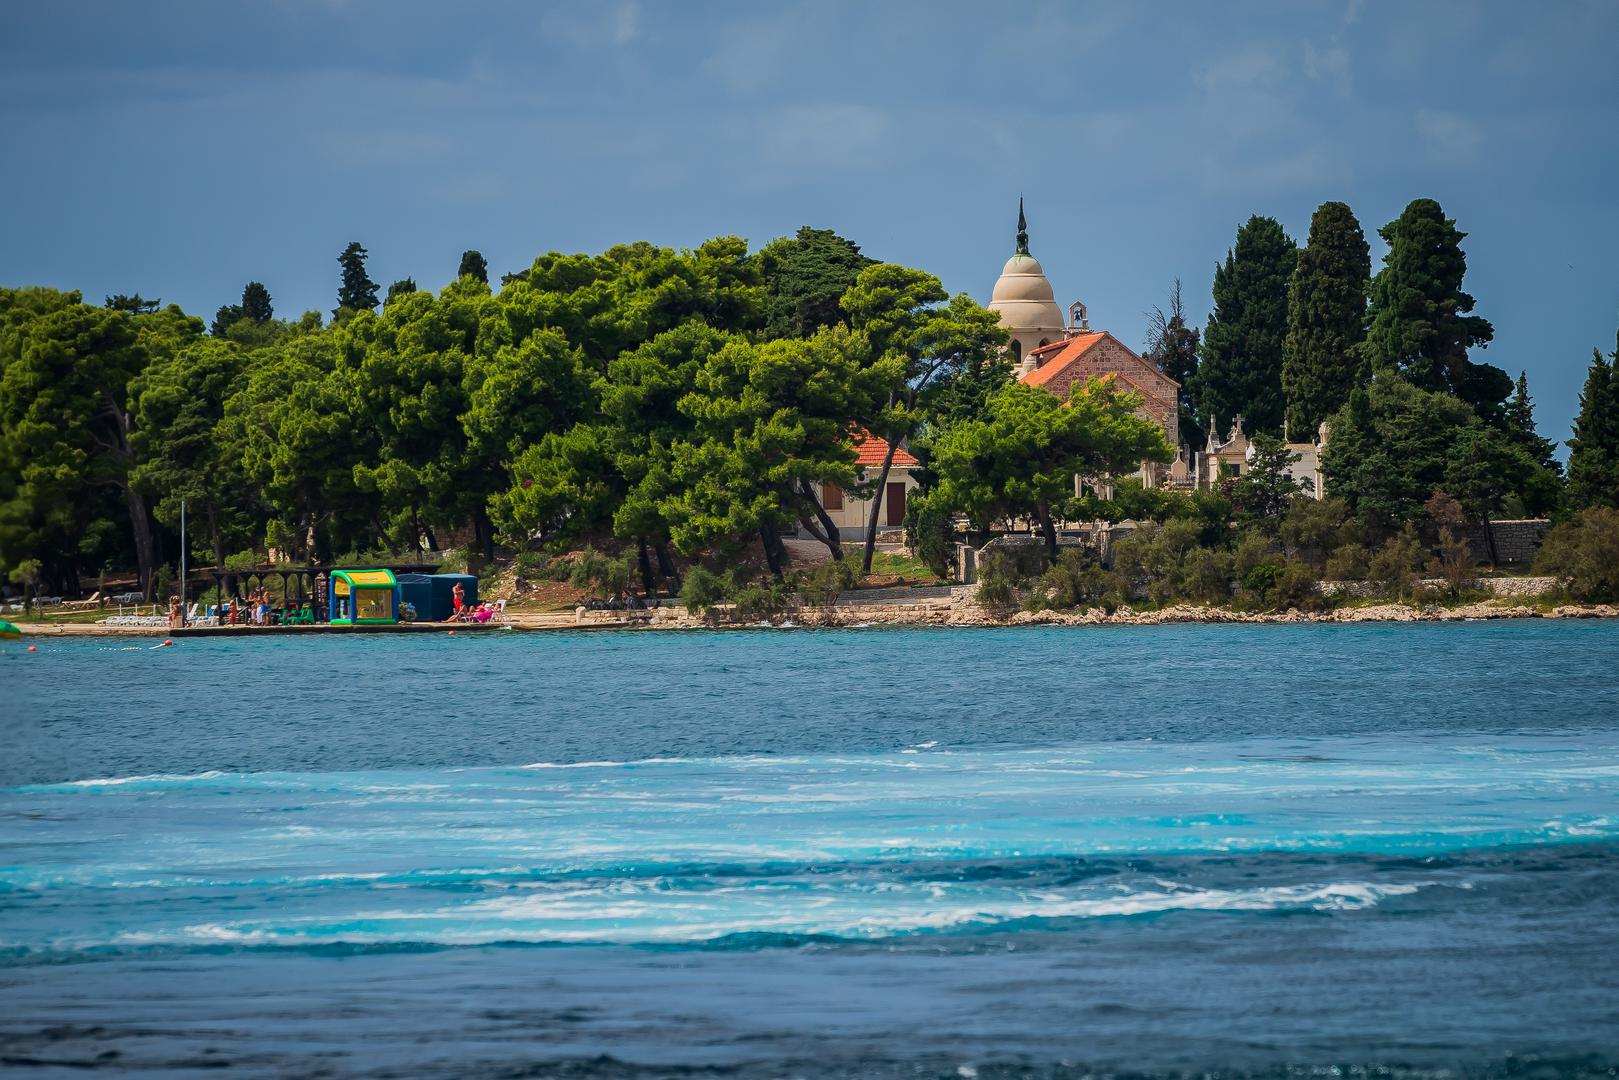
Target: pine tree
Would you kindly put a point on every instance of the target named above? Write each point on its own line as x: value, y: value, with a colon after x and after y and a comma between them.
x: 1241, y: 370
x: 402, y: 287
x: 1326, y: 320
x: 256, y: 303
x: 1174, y: 347
x: 358, y: 292
x: 473, y: 264
x: 1519, y: 417
x: 1420, y: 324
x: 1593, y: 460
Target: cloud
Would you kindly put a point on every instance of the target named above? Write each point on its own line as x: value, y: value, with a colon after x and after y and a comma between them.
x: 592, y: 26
x: 1451, y: 139
x: 804, y: 141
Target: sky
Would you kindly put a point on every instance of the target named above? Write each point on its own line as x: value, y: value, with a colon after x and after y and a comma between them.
x: 181, y: 149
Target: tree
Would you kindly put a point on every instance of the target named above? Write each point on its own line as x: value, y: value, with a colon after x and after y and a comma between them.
x: 357, y: 292
x: 132, y: 305
x: 1021, y: 459
x: 1326, y: 320
x: 1174, y: 347
x: 1261, y: 495
x: 402, y: 287
x: 1593, y: 459
x: 1241, y: 371
x: 1420, y: 321
x: 473, y: 265
x: 1519, y: 426
x: 805, y: 276
x: 256, y: 302
x: 915, y: 346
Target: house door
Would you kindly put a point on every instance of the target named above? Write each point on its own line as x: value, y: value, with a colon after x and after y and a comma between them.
x: 896, y: 505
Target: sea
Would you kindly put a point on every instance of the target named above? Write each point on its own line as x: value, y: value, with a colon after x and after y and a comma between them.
x: 1376, y: 850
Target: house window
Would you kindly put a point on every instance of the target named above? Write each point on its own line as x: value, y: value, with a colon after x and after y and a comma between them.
x: 831, y: 496
x: 1017, y: 351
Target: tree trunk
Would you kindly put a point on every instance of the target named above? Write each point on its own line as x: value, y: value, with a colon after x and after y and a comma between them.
x: 1489, y: 541
x: 1048, y: 528
x: 215, y: 538
x: 646, y: 567
x: 666, y: 567
x: 831, y: 538
x: 771, y: 539
x: 432, y: 540
x: 484, y: 533
x: 145, y: 542
x: 876, y: 508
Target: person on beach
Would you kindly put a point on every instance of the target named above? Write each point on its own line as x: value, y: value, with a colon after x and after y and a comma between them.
x: 176, y: 614
x: 459, y: 601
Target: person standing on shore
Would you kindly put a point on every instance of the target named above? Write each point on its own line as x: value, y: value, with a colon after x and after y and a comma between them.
x: 459, y: 602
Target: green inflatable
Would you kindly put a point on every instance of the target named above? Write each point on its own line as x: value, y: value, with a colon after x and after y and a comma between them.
x: 8, y: 632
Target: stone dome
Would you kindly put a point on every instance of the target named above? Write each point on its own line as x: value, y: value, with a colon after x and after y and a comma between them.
x: 1023, y: 297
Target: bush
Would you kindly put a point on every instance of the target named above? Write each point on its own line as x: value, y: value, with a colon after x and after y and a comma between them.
x: 1394, y: 567
x: 1454, y: 562
x: 1079, y: 581
x: 1352, y: 562
x: 931, y: 533
x: 821, y: 586
x: 702, y: 591
x: 1583, y: 553
x: 1295, y: 587
x: 1261, y: 580
x: 1253, y: 550
x: 997, y: 581
x: 600, y: 575
x: 1206, y: 575
x: 752, y: 603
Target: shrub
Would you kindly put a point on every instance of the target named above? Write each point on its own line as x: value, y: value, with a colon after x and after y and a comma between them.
x: 931, y: 533
x: 1206, y: 575
x: 702, y: 591
x: 1454, y: 562
x: 997, y: 581
x: 1076, y: 580
x: 821, y: 586
x: 601, y: 575
x: 1583, y: 553
x: 1295, y: 587
x: 1253, y: 550
x: 1352, y: 562
x: 752, y: 603
x: 1395, y: 565
x: 1261, y: 579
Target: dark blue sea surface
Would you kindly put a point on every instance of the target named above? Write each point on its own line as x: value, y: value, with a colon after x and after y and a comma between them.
x: 1380, y: 850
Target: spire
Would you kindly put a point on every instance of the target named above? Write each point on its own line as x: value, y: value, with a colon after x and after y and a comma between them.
x: 1022, y: 229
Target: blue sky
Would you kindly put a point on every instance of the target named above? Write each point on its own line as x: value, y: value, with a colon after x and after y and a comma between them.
x: 182, y: 149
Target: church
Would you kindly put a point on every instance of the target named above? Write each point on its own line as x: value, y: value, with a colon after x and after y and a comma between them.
x: 1055, y: 351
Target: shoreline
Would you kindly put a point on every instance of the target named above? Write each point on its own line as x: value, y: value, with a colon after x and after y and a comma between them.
x: 859, y: 614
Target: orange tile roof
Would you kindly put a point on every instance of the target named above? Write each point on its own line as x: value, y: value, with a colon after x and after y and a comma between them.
x: 1059, y: 354
x: 870, y: 450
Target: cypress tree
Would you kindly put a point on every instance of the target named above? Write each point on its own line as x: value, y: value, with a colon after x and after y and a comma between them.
x: 1519, y: 417
x: 1241, y: 371
x: 1326, y: 320
x: 1420, y: 324
x: 358, y: 292
x: 473, y: 264
x: 1593, y: 460
x: 256, y: 303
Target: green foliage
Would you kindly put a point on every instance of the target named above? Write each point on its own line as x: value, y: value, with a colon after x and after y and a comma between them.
x: 1312, y: 529
x: 1021, y: 459
x: 1519, y: 427
x: 357, y: 292
x: 1420, y: 322
x: 1593, y: 460
x: 601, y: 575
x: 1583, y: 553
x: 1241, y: 370
x: 702, y: 591
x: 931, y: 533
x: 1295, y: 589
x: 1263, y: 493
x: 1322, y: 360
x: 998, y: 581
x: 1077, y: 580
x: 402, y: 287
x: 1393, y: 445
x: 473, y: 265
x: 805, y: 277
x: 821, y: 586
x: 1351, y: 562
x: 1395, y: 566
x: 1453, y: 562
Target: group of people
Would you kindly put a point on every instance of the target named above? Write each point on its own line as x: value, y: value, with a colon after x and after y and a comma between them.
x: 481, y: 613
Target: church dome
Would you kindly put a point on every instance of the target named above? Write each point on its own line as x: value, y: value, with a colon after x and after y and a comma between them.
x: 1023, y: 297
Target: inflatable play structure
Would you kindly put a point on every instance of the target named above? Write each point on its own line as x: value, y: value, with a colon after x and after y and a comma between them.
x: 361, y: 597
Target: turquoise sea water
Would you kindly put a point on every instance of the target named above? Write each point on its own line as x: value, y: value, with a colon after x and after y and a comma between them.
x: 1010, y: 852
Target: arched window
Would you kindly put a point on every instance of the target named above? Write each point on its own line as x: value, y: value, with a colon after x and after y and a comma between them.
x: 1017, y: 351
x: 1044, y: 342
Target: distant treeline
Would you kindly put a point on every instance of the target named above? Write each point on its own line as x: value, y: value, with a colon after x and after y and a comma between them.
x: 678, y: 405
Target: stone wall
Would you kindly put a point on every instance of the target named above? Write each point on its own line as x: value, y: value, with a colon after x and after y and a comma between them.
x: 1516, y: 541
x: 1518, y: 588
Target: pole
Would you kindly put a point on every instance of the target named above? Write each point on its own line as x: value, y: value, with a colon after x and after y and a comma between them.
x: 182, y: 562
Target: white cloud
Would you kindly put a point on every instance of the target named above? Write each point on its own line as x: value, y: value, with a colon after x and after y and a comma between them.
x: 1451, y: 139
x: 804, y: 141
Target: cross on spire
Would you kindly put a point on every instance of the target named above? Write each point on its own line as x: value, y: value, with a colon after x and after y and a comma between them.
x: 1022, y: 229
